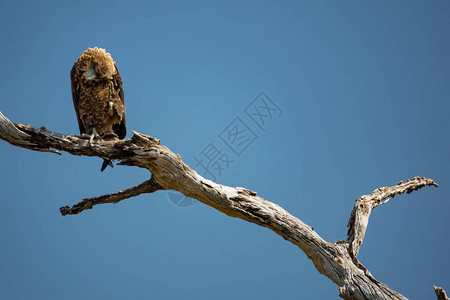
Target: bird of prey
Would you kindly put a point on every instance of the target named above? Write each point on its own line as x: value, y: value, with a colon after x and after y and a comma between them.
x: 98, y: 98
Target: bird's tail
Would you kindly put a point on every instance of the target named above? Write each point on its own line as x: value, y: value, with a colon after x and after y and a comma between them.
x: 106, y: 163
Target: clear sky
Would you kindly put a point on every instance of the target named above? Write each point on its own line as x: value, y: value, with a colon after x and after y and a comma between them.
x: 362, y: 89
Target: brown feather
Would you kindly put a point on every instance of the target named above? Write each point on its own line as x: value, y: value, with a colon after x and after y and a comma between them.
x: 91, y: 97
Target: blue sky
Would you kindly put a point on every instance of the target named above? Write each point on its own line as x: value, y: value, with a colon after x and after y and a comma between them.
x: 364, y: 90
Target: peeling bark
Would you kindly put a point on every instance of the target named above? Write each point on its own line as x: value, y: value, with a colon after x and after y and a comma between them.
x: 335, y: 260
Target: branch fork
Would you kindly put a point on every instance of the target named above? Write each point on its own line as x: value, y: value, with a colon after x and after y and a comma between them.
x: 336, y: 260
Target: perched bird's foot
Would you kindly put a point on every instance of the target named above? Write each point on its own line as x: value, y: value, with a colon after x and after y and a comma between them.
x: 110, y: 137
x: 93, y: 136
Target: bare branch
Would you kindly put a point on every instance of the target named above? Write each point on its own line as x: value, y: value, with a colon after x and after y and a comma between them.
x: 334, y: 260
x: 359, y: 217
x: 440, y: 293
x: 11, y: 134
x: 149, y: 186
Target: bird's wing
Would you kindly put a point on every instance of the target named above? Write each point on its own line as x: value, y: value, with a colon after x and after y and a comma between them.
x: 121, y: 128
x: 75, y: 97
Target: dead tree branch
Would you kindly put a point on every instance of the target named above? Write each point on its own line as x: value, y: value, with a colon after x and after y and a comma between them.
x: 440, y: 293
x: 149, y: 186
x: 335, y: 260
x: 359, y: 217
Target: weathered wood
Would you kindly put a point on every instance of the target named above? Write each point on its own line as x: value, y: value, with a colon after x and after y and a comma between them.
x: 149, y: 186
x: 440, y: 293
x: 335, y: 260
x: 359, y: 217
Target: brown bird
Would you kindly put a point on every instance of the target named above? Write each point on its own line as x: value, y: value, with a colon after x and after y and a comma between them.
x: 98, y: 98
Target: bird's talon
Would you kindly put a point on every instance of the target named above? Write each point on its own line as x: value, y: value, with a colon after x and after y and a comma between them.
x: 93, y: 136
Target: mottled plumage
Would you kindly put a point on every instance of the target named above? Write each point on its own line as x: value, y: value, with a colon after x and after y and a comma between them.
x: 98, y: 97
